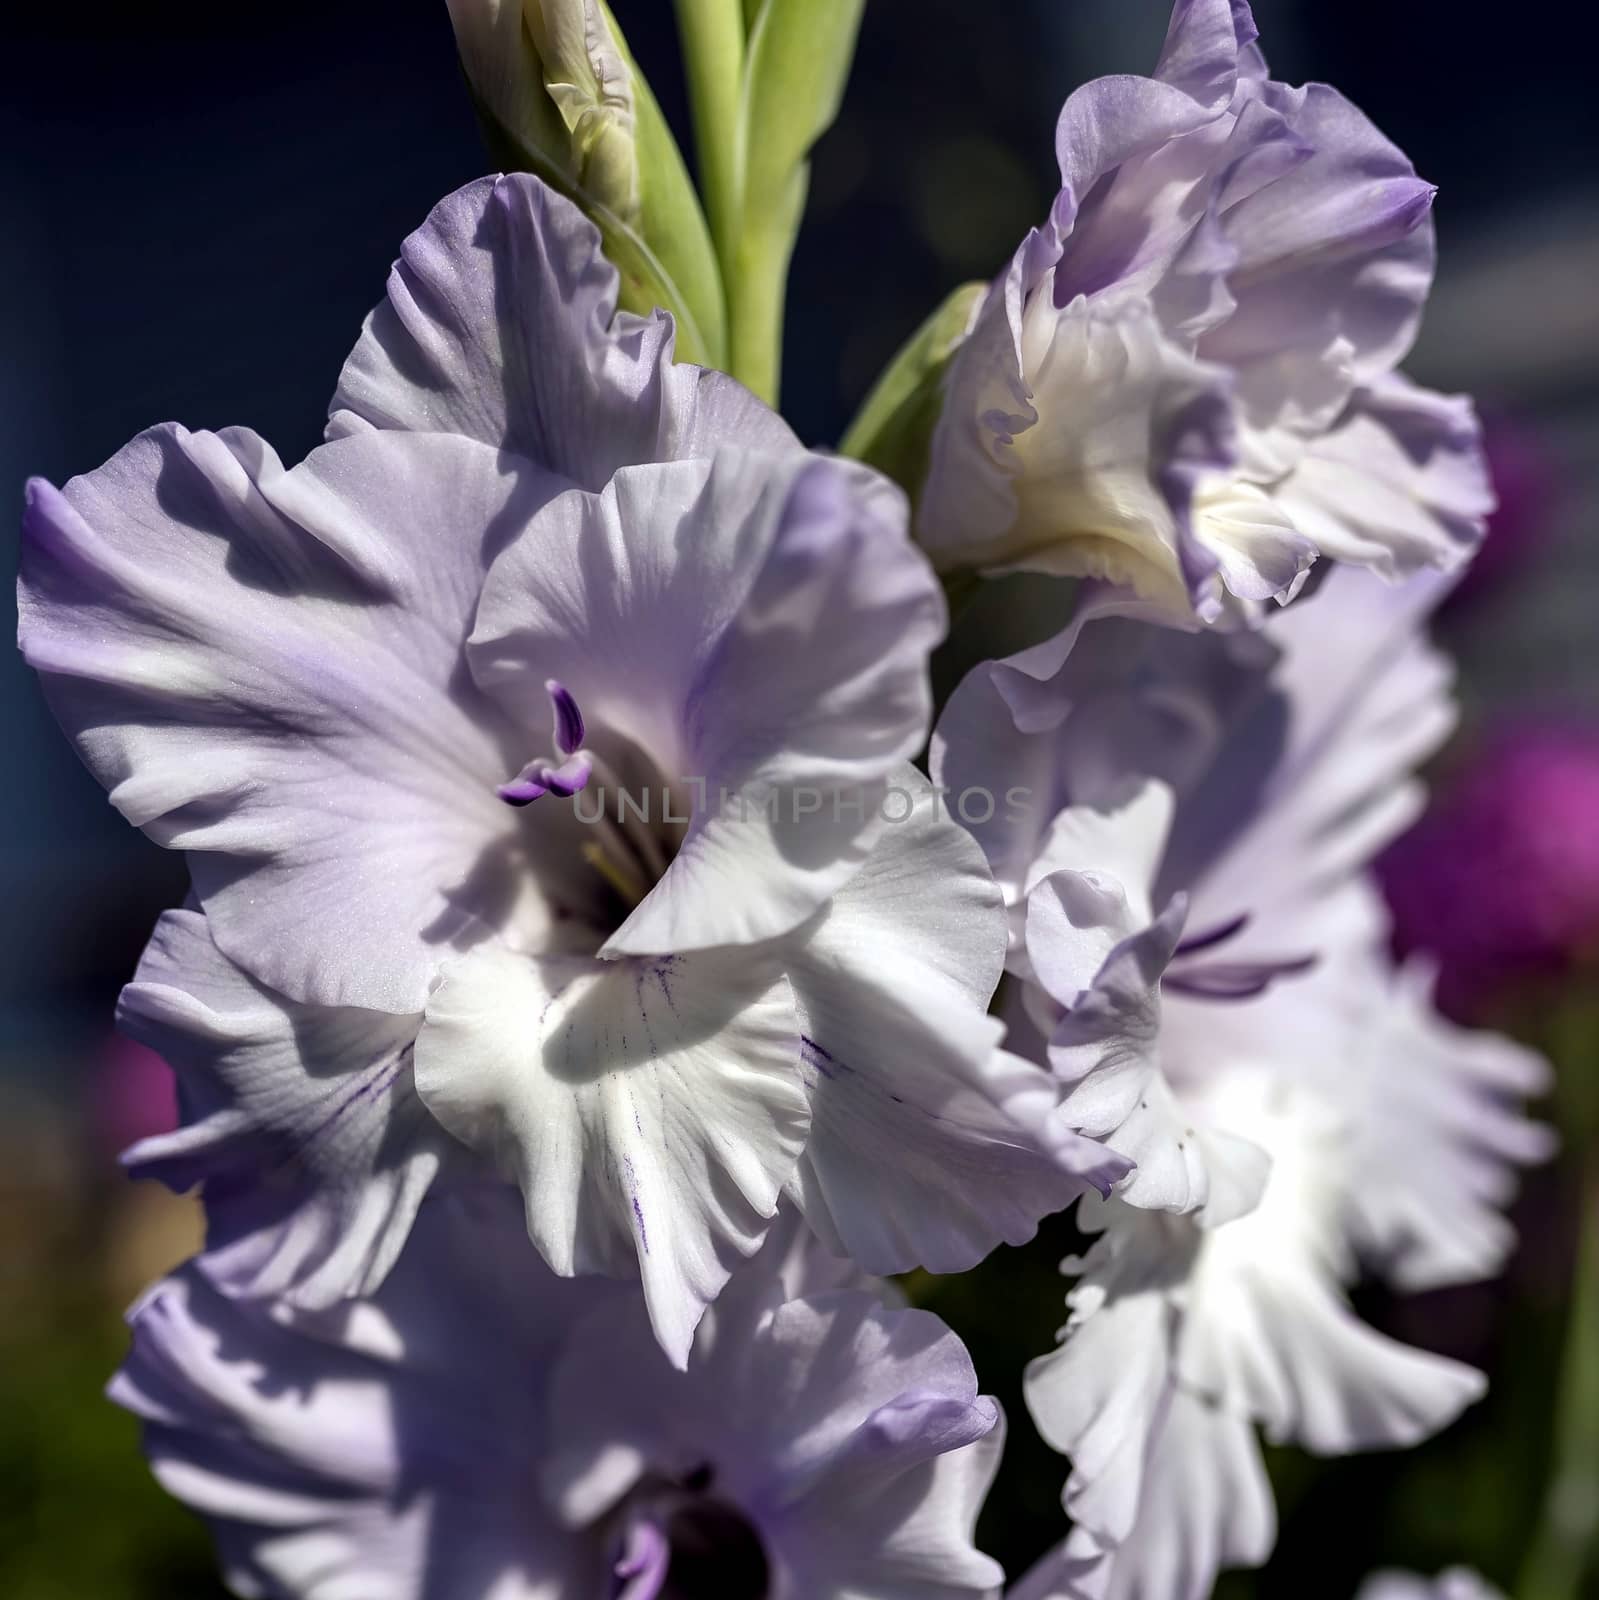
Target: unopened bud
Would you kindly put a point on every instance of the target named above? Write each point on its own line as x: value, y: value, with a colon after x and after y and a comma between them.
x: 587, y: 76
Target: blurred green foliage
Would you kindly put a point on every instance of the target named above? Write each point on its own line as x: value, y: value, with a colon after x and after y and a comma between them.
x: 80, y: 1516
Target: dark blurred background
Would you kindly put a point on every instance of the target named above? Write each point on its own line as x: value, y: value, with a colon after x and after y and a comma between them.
x: 201, y: 203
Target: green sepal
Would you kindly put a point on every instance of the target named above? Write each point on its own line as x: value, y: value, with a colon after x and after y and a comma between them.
x: 893, y: 429
x: 673, y: 253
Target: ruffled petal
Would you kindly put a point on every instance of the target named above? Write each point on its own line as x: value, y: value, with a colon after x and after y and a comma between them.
x: 1207, y: 1506
x: 303, y: 1119
x: 1436, y: 1130
x: 380, y: 1452
x: 1164, y: 1487
x: 1267, y: 1331
x: 651, y: 1110
x: 500, y: 324
x: 852, y: 1433
x: 1229, y: 265
x: 1314, y: 777
x: 1100, y: 1397
x: 1105, y: 1046
x: 265, y: 669
x: 1103, y: 481
x: 1286, y: 1346
x: 1334, y: 261
x: 1070, y: 722
x: 892, y: 987
x: 1398, y: 483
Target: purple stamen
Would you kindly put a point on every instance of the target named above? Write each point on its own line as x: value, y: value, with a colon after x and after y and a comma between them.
x: 642, y: 1567
x: 1212, y: 937
x: 521, y: 791
x: 539, y: 778
x: 568, y: 719
x: 1240, y: 980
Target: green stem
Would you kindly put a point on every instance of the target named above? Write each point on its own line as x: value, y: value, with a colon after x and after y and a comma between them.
x: 757, y: 289
x: 1564, y: 1544
x: 1565, y: 1548
x: 712, y: 32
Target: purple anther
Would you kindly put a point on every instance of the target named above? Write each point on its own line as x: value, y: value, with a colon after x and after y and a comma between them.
x: 1212, y: 937
x: 640, y: 1572
x: 1233, y: 980
x: 539, y: 778
x: 568, y: 719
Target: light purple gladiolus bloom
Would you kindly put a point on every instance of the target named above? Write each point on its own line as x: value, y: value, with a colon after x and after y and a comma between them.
x: 1192, y: 886
x: 391, y: 701
x: 480, y: 1430
x: 1184, y: 382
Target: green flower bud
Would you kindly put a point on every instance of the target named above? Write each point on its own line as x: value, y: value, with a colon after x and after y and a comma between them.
x: 559, y: 95
x: 588, y: 78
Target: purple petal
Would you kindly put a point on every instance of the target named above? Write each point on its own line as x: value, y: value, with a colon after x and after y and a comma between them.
x: 303, y: 1123
x: 263, y: 667
x: 500, y: 324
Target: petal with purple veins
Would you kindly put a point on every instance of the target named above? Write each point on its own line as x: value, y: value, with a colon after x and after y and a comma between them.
x: 650, y: 1109
x: 265, y: 667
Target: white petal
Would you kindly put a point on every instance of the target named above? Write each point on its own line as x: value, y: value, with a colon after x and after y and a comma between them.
x: 1105, y: 1049
x: 892, y: 987
x: 1121, y: 838
x: 1183, y: 1168
x: 1286, y: 1346
x: 1435, y: 1153
x: 1267, y: 1330
x: 1262, y: 550
x: 1207, y: 1505
x: 1100, y: 1396
x: 1101, y: 483
x: 1398, y: 484
x: 650, y: 1109
x: 760, y: 630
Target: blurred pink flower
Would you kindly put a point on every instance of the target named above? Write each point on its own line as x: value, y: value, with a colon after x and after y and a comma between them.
x: 1526, y: 486
x: 133, y: 1095
x: 1500, y: 880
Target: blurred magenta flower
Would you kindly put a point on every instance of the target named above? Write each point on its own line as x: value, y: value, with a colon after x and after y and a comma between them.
x: 134, y: 1096
x: 1500, y: 881
x: 1527, y: 489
